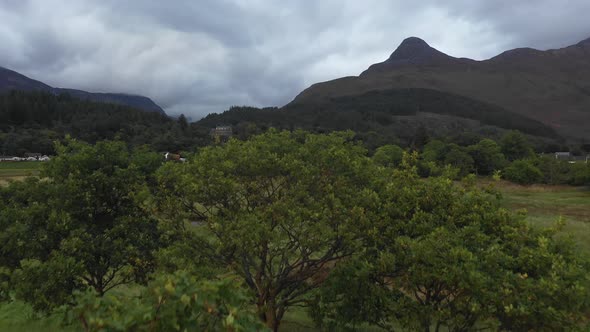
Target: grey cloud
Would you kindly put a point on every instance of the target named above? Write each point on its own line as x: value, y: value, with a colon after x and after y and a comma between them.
x: 542, y: 24
x: 197, y: 57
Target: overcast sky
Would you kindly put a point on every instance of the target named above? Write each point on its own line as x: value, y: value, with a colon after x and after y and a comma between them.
x: 202, y: 56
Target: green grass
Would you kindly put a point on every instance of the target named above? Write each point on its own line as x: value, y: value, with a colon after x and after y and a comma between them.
x: 20, y: 165
x: 11, y: 171
x: 20, y: 317
x: 546, y: 204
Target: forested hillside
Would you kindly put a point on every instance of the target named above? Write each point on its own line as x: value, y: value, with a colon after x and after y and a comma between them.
x: 31, y: 121
x: 398, y: 115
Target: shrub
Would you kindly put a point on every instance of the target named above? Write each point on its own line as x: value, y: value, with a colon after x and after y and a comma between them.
x: 523, y: 172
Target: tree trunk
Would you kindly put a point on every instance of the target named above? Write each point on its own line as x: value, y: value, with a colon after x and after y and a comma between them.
x: 269, y: 315
x: 272, y: 321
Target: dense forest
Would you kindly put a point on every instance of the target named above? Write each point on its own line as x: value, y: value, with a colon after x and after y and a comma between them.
x: 393, y: 116
x: 111, y: 238
x: 31, y: 122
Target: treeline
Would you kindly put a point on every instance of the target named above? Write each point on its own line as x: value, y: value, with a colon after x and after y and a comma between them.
x: 391, y: 116
x: 512, y: 157
x: 245, y: 232
x: 32, y: 121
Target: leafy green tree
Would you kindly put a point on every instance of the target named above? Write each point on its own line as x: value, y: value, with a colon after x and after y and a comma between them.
x: 554, y: 171
x: 444, y: 256
x: 458, y: 158
x: 487, y: 156
x: 388, y: 155
x: 515, y: 146
x: 84, y: 225
x: 434, y: 151
x: 579, y: 174
x: 175, y: 302
x: 523, y: 172
x: 279, y: 209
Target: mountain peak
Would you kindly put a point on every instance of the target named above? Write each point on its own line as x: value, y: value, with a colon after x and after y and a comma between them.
x: 414, y: 51
x: 412, y: 46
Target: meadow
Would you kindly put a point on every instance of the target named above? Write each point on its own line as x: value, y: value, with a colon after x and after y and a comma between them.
x: 18, y: 170
x: 546, y: 204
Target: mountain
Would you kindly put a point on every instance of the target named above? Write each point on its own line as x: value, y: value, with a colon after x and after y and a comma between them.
x: 11, y: 80
x: 552, y: 87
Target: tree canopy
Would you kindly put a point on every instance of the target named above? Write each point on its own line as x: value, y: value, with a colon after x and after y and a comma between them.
x: 82, y: 225
x: 445, y: 256
x: 280, y: 209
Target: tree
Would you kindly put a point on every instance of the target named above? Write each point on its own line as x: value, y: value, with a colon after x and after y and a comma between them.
x: 434, y: 151
x: 388, y: 155
x: 515, y: 146
x: 554, y: 171
x: 85, y: 224
x: 182, y: 122
x: 579, y: 174
x: 447, y: 257
x: 458, y: 158
x: 523, y: 172
x: 421, y: 138
x: 487, y: 156
x: 279, y: 209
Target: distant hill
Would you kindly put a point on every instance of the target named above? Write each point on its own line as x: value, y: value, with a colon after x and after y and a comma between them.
x: 551, y: 87
x: 11, y: 80
x: 388, y: 116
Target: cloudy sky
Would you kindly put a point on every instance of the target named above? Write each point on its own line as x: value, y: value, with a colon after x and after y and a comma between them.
x: 202, y: 56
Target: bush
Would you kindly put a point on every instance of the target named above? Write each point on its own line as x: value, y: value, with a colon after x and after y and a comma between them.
x: 523, y: 172
x: 388, y: 155
x: 579, y: 174
x: 554, y: 171
x: 459, y: 159
x: 175, y: 302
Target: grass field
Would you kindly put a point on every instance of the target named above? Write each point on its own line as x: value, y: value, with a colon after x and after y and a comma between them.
x: 18, y: 170
x: 546, y: 204
x: 20, y: 317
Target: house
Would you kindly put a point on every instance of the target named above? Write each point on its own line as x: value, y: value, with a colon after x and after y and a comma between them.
x: 222, y: 133
x: 36, y: 156
x: 569, y: 157
x: 563, y: 155
x: 173, y: 157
